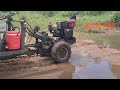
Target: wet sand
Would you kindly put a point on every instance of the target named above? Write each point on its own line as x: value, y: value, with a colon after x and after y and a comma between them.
x: 88, y: 61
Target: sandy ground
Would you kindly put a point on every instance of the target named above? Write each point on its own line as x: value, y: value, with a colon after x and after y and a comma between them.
x: 98, y: 52
x: 36, y: 67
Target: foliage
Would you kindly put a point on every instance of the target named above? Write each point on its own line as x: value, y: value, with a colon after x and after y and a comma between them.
x: 43, y: 18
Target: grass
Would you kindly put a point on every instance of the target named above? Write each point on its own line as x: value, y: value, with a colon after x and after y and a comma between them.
x: 36, y: 18
x: 95, y: 19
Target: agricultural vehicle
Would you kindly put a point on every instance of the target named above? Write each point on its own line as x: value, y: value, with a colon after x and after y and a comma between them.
x: 57, y: 46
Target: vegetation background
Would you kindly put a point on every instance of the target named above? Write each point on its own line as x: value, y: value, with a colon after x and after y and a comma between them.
x: 42, y: 18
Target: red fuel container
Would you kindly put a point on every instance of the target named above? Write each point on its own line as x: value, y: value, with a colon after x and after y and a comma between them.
x: 13, y: 39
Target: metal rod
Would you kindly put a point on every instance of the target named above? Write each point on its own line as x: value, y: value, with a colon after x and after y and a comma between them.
x: 18, y: 20
x: 23, y: 29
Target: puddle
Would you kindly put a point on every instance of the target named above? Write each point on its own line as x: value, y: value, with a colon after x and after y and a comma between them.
x: 94, y: 71
x: 88, y: 68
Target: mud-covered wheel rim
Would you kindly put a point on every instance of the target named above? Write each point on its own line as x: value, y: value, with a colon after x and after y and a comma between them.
x: 62, y: 53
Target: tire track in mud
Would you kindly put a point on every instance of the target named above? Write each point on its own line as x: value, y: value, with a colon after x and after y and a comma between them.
x: 52, y: 72
x: 35, y: 67
x: 38, y: 71
x: 18, y: 66
x: 53, y: 75
x: 28, y: 72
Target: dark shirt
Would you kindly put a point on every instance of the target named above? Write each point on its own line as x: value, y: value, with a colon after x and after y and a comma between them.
x: 73, y: 17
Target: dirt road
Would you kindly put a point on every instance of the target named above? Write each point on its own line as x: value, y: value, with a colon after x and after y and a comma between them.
x: 88, y: 61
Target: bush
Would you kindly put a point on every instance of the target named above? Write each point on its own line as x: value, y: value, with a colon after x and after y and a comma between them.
x: 116, y: 19
x: 42, y: 18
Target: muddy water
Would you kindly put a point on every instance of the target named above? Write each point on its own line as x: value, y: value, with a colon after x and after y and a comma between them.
x: 110, y: 39
x: 80, y: 66
x: 88, y: 68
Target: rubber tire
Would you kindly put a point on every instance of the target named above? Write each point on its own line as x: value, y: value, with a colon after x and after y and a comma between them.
x: 55, y: 49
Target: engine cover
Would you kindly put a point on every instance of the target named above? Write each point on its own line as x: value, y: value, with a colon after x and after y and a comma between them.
x: 68, y: 33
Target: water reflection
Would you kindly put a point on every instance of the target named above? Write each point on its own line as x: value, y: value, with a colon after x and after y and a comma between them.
x: 107, y: 39
x: 94, y: 71
x: 88, y: 68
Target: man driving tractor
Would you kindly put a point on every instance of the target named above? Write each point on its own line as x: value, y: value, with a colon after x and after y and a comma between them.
x: 73, y: 16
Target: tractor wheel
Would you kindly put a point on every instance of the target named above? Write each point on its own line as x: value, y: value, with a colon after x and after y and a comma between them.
x: 61, y: 52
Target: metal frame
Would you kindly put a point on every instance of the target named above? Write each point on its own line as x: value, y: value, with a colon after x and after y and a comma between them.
x: 23, y: 49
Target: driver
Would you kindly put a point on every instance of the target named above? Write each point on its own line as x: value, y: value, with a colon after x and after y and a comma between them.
x: 73, y: 16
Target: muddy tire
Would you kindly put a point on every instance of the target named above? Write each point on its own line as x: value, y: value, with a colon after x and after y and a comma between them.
x: 61, y: 52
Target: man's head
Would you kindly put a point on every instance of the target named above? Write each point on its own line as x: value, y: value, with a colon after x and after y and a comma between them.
x: 74, y: 13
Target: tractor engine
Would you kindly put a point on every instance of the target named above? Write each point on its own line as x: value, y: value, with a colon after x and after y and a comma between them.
x: 44, y: 43
x: 63, y: 30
